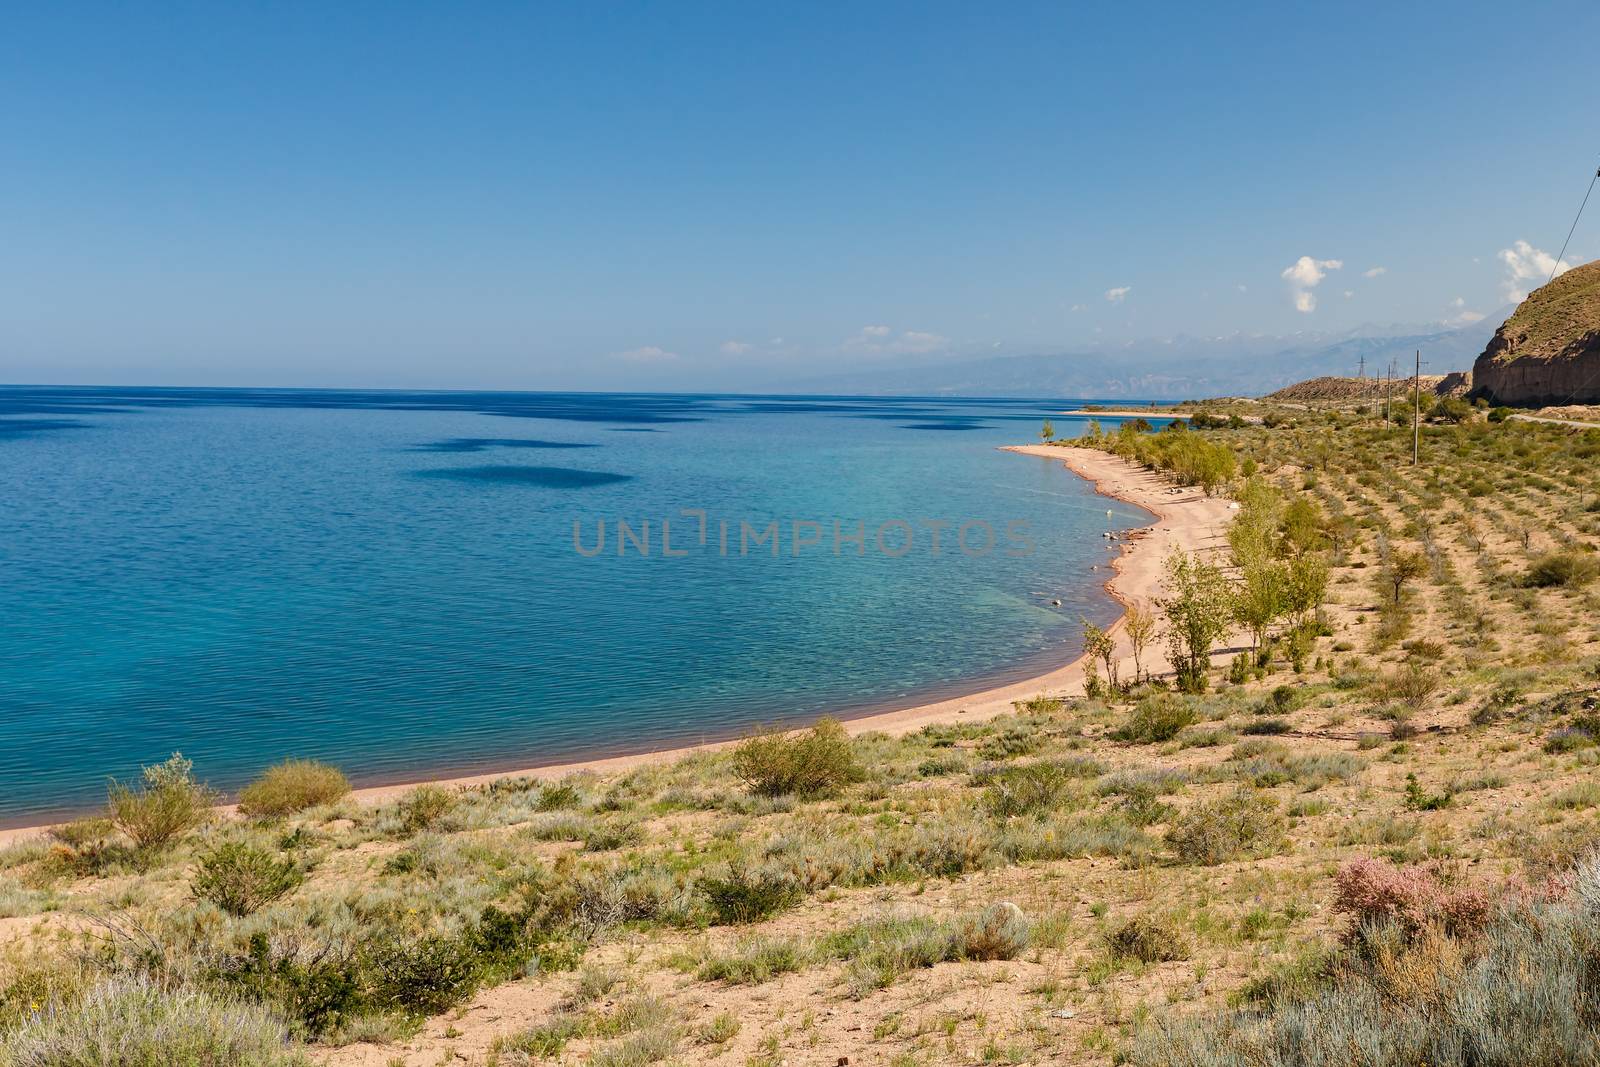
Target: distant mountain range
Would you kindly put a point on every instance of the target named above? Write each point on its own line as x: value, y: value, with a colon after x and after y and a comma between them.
x: 1180, y: 367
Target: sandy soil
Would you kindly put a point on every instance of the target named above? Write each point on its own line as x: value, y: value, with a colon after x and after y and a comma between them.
x: 1186, y: 519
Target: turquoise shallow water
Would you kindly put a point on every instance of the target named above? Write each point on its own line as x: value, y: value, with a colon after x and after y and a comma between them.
x: 390, y: 581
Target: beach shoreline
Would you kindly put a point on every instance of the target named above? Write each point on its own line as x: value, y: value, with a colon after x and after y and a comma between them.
x: 1184, y: 518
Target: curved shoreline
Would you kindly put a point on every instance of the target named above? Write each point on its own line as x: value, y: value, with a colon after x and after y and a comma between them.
x: 1184, y: 518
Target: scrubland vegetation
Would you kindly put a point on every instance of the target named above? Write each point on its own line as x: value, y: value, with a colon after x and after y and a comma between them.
x: 1353, y: 825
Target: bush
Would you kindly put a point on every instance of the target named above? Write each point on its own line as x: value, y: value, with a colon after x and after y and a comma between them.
x: 812, y: 763
x: 423, y: 807
x: 1410, y: 898
x: 1146, y: 940
x: 1520, y: 992
x: 881, y: 949
x: 1033, y: 788
x: 1157, y: 718
x: 998, y: 932
x: 1410, y: 685
x: 166, y: 804
x: 1564, y: 569
x: 292, y: 786
x: 752, y: 962
x: 1419, y: 799
x: 241, y: 879
x: 137, y: 1022
x: 85, y: 846
x: 1241, y: 824
x: 747, y: 897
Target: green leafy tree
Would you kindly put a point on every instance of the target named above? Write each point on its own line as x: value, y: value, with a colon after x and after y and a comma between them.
x: 1404, y: 567
x: 1306, y: 586
x: 1047, y: 431
x: 1261, y: 599
x: 1197, y: 608
x: 1304, y: 526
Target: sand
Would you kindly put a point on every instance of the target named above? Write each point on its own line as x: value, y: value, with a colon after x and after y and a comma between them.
x: 1185, y: 518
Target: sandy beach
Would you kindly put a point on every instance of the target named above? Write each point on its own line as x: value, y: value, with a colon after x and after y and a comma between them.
x: 1185, y: 518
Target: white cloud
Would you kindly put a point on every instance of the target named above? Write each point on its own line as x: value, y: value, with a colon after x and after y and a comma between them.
x: 1307, y: 272
x: 1079, y: 307
x: 917, y: 341
x: 1119, y: 294
x: 1348, y: 293
x: 1244, y: 288
x: 1463, y: 316
x: 1525, y: 263
x: 735, y: 348
x: 1374, y: 272
x: 1305, y: 275
x: 882, y: 339
x: 647, y: 354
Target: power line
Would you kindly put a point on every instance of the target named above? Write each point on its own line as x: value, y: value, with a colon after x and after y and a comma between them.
x: 1557, y: 264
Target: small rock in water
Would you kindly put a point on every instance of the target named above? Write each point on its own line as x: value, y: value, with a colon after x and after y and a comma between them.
x: 1055, y: 603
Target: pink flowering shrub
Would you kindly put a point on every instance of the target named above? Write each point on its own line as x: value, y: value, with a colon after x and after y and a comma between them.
x: 1371, y: 890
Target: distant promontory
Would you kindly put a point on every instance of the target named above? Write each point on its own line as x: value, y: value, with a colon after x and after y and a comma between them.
x: 1548, y: 351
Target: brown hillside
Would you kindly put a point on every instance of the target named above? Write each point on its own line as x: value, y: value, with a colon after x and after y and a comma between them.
x: 1548, y: 351
x: 1358, y: 389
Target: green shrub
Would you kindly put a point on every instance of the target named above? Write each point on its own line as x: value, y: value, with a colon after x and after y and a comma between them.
x: 424, y: 807
x: 1010, y: 743
x: 879, y: 950
x: 752, y: 962
x: 546, y: 1041
x: 292, y: 786
x: 1419, y: 799
x: 127, y: 1022
x: 1033, y: 787
x: 558, y: 796
x: 166, y: 804
x: 743, y: 896
x: 241, y: 879
x: 1156, y: 718
x: 1241, y: 824
x: 811, y: 763
x: 1565, y: 569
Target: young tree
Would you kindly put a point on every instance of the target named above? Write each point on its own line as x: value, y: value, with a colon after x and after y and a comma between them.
x: 1304, y: 526
x: 1307, y: 586
x: 1404, y: 567
x: 1197, y: 610
x: 1047, y: 431
x: 1261, y: 599
x: 1099, y: 645
x: 1141, y: 627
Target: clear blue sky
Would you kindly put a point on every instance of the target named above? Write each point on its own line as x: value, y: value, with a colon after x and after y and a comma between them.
x: 693, y: 196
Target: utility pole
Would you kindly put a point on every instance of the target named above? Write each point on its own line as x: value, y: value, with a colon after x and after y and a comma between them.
x: 1416, y: 412
x: 1361, y: 371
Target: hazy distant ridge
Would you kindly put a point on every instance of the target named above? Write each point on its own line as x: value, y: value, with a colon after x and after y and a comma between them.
x: 1181, y: 367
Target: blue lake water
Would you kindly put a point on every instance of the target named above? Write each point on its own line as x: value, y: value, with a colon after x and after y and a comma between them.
x: 390, y: 581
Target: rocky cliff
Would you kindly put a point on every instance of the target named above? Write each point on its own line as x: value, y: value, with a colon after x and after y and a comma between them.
x: 1548, y: 351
